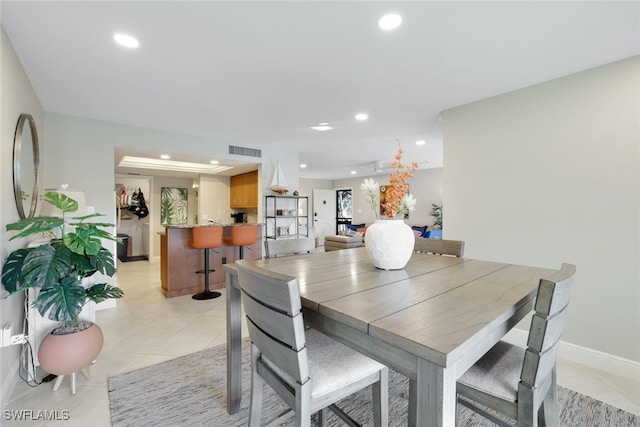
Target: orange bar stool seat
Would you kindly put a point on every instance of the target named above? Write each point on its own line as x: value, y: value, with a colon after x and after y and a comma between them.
x: 242, y: 235
x: 206, y: 238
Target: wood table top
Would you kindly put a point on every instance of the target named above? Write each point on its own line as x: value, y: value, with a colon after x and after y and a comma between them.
x: 437, y: 307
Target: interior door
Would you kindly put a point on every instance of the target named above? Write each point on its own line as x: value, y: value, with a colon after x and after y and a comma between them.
x: 324, y: 213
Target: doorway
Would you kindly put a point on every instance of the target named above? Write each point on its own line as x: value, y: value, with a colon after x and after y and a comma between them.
x: 132, y: 227
x: 344, y: 210
x: 324, y: 213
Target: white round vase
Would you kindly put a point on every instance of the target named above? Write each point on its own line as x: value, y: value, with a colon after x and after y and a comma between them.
x: 389, y: 243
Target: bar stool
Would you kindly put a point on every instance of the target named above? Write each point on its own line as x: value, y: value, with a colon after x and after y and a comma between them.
x: 242, y: 235
x: 206, y: 238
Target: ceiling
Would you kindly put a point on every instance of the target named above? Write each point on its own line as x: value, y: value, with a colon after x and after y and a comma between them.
x: 260, y: 74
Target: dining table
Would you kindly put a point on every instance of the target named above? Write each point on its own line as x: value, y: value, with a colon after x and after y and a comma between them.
x: 429, y: 321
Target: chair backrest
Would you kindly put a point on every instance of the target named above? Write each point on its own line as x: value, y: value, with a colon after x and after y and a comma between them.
x: 274, y: 318
x: 274, y: 248
x: 546, y: 326
x: 206, y: 237
x: 243, y: 235
x: 441, y: 247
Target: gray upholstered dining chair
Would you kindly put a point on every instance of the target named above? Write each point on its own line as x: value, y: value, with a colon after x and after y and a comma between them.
x: 521, y: 383
x: 440, y: 247
x: 283, y: 247
x: 309, y: 370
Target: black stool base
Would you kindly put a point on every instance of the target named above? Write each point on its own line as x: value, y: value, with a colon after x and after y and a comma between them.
x: 206, y: 295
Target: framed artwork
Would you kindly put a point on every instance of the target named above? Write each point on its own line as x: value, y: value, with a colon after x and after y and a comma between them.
x: 383, y: 198
x: 173, y: 205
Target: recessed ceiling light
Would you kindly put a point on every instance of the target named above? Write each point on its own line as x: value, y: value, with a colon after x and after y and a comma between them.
x: 390, y: 22
x: 322, y: 127
x: 214, y: 162
x: 353, y: 172
x: 421, y: 142
x: 303, y: 165
x: 126, y: 40
x: 165, y: 156
x: 362, y: 117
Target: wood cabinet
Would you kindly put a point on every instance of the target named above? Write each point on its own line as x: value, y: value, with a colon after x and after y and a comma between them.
x: 244, y: 190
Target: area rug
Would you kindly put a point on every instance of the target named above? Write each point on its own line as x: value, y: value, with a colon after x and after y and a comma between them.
x: 191, y: 391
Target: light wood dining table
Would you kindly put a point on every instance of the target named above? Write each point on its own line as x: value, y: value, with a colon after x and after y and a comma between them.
x: 430, y: 321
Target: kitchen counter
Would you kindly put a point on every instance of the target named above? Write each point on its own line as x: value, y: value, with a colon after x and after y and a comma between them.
x: 179, y: 261
x: 190, y: 226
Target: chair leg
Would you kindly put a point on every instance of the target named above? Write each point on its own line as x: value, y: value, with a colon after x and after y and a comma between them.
x: 381, y: 400
x: 527, y: 414
x: 255, y: 408
x: 549, y: 414
x: 303, y: 405
x: 73, y: 383
x: 322, y: 417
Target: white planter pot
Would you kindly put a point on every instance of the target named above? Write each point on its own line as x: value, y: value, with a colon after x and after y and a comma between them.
x: 389, y: 243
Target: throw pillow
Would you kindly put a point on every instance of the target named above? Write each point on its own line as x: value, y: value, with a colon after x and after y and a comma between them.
x: 355, y: 227
x: 419, y: 230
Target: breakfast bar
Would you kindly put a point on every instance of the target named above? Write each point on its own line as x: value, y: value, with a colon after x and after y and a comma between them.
x: 179, y: 261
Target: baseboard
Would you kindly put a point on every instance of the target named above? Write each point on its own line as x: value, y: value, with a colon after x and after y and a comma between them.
x: 585, y: 356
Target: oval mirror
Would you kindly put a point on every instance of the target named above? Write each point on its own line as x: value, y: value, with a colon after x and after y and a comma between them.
x: 26, y: 166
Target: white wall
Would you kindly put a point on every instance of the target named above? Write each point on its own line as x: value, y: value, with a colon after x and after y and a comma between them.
x: 306, y: 189
x: 550, y: 174
x: 17, y: 96
x: 214, y: 198
x: 426, y: 185
x: 94, y: 141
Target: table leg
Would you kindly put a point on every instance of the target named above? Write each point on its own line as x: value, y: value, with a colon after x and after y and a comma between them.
x: 234, y: 343
x: 412, y: 410
x: 435, y: 400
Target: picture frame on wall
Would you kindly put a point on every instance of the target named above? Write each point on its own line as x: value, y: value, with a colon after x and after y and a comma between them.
x: 174, y: 204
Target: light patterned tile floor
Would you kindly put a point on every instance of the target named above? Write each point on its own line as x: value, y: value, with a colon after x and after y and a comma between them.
x: 146, y: 328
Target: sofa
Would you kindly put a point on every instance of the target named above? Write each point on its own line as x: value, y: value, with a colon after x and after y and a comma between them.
x: 333, y: 243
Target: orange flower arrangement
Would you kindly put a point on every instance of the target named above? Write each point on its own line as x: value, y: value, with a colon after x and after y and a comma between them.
x: 397, y: 202
x: 396, y: 195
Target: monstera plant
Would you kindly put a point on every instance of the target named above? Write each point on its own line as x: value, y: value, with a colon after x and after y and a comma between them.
x: 57, y: 267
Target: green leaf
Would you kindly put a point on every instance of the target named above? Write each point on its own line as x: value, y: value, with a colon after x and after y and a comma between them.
x: 61, y: 201
x: 83, y: 242
x: 102, y: 292
x: 63, y: 300
x: 80, y: 219
x: 82, y: 264
x: 12, y: 278
x: 34, y: 225
x: 45, y: 265
x: 103, y: 262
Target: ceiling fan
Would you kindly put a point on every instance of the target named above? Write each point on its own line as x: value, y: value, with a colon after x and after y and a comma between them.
x: 377, y: 166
